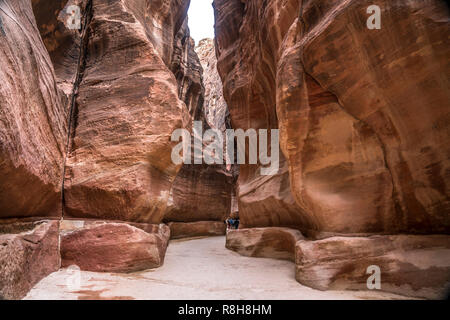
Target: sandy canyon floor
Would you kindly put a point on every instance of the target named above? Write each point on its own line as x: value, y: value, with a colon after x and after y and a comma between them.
x: 195, y: 269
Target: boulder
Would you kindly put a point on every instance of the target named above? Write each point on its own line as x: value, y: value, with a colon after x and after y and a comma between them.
x: 409, y: 265
x: 196, y: 229
x: 114, y: 247
x: 28, y: 253
x: 270, y: 242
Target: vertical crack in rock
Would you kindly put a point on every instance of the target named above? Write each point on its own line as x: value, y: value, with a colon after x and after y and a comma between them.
x: 1, y: 27
x: 81, y: 65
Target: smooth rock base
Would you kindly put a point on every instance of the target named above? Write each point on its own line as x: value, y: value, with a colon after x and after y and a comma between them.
x: 28, y: 253
x: 179, y: 230
x: 114, y: 247
x: 271, y: 242
x: 417, y: 266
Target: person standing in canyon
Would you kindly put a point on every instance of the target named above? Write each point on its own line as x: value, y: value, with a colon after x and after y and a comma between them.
x: 233, y: 221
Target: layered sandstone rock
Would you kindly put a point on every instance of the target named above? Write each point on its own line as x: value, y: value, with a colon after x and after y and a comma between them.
x: 247, y: 69
x: 378, y: 116
x: 179, y: 230
x: 58, y: 30
x: 114, y: 247
x: 32, y: 119
x: 362, y: 116
x: 361, y: 111
x: 200, y: 192
x: 216, y: 109
x: 126, y: 108
x: 28, y: 253
x: 409, y: 265
x: 188, y: 71
x: 271, y: 242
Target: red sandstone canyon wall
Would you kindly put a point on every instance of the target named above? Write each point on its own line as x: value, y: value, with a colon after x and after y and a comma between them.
x: 86, y: 118
x: 363, y: 114
x: 201, y: 192
x: 33, y: 116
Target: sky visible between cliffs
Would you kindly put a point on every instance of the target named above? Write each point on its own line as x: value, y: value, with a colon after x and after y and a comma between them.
x: 201, y: 19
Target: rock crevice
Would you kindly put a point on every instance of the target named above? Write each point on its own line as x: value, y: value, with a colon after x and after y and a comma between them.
x: 80, y: 67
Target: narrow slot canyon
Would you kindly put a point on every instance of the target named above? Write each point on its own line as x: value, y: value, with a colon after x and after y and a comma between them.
x: 351, y: 177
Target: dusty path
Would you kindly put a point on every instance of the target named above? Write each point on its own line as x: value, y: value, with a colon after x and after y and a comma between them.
x: 195, y: 269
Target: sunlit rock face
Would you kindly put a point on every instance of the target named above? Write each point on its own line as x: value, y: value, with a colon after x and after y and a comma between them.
x: 188, y: 71
x: 33, y: 115
x: 362, y: 113
x: 125, y: 104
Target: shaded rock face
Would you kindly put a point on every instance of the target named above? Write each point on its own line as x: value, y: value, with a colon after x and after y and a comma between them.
x: 216, y: 109
x: 188, y: 71
x: 409, y: 264
x: 362, y: 113
x: 33, y: 122
x: 248, y: 73
x: 114, y: 247
x: 179, y: 230
x: 200, y: 192
x: 270, y: 242
x: 28, y: 253
x: 62, y: 43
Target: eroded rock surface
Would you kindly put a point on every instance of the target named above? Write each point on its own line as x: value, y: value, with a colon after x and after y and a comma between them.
x: 270, y: 242
x: 32, y: 119
x: 61, y: 38
x: 410, y: 265
x: 28, y: 253
x: 200, y: 192
x: 126, y: 109
x: 362, y: 112
x: 216, y: 109
x: 180, y: 230
x: 114, y: 247
x: 362, y: 116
